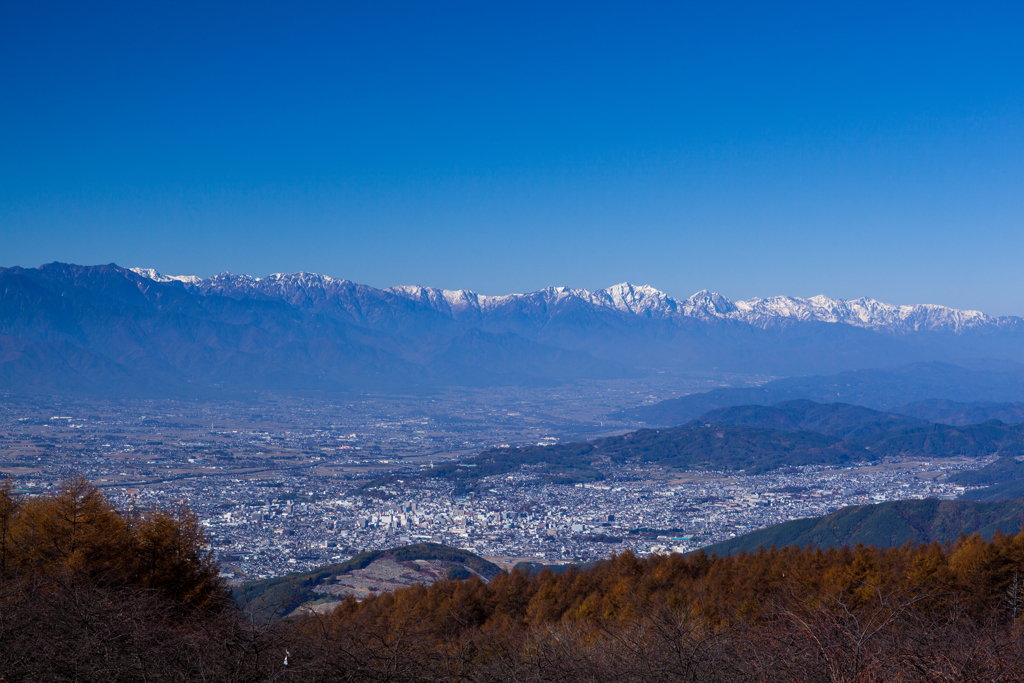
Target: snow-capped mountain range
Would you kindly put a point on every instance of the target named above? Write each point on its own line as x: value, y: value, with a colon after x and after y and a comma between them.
x: 107, y: 330
x: 632, y: 300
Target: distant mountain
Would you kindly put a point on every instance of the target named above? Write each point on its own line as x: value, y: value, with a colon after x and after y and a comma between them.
x: 885, y: 525
x: 105, y: 329
x: 834, y: 419
x: 644, y: 301
x: 881, y: 389
x: 640, y: 325
x: 637, y: 326
x: 954, y: 413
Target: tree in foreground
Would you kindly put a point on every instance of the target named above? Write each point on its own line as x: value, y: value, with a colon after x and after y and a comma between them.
x: 91, y: 593
x: 76, y: 534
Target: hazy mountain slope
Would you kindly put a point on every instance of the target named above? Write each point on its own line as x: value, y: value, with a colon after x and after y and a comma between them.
x: 105, y: 329
x: 28, y: 366
x: 161, y: 336
x: 643, y: 326
x: 886, y: 525
x: 475, y: 357
x: 708, y: 345
x: 835, y: 419
x: 880, y: 389
x: 954, y: 413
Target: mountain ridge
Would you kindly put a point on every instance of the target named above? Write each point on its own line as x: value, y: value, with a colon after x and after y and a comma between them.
x: 101, y: 329
x: 890, y: 391
x: 641, y: 300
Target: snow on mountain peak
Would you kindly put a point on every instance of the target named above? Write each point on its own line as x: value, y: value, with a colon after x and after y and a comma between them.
x: 705, y: 304
x: 637, y: 299
x: 152, y: 274
x: 641, y: 300
x: 449, y: 301
x: 862, y: 312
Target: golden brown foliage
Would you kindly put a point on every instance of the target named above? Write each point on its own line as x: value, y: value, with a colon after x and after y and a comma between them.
x: 923, y: 612
x: 76, y: 533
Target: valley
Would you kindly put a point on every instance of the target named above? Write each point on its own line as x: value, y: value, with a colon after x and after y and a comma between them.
x: 286, y: 484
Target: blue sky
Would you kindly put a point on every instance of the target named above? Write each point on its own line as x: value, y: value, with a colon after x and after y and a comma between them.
x: 850, y: 150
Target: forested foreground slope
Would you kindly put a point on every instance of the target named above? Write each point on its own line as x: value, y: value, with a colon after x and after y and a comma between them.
x: 89, y: 593
x: 916, y: 613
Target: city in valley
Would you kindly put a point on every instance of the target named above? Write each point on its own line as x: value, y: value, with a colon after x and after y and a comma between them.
x: 284, y: 484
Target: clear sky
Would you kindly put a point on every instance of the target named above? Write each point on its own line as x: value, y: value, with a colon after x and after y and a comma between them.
x: 848, y: 149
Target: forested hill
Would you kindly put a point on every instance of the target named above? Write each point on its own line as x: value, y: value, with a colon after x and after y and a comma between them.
x: 940, y: 441
x: 701, y: 444
x: 1003, y: 479
x: 885, y: 525
x: 1002, y: 470
x: 282, y: 594
x: 843, y: 420
x: 690, y: 446
x: 886, y: 435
